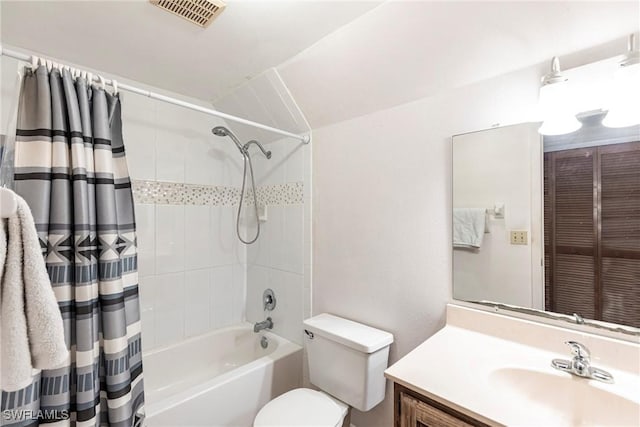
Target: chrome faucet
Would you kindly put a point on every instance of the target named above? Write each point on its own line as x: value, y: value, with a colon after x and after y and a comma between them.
x: 580, y: 365
x: 265, y: 324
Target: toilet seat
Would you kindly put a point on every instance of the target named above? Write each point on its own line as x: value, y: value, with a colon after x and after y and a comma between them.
x: 302, y: 407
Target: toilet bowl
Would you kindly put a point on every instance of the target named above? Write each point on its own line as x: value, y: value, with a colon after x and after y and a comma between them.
x: 346, y: 362
x: 302, y: 407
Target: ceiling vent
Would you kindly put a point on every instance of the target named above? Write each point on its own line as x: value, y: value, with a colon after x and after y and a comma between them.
x: 199, y: 12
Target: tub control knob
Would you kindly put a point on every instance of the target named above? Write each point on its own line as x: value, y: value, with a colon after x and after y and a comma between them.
x: 269, y: 300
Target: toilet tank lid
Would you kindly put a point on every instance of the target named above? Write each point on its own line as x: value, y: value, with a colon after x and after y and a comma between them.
x: 349, y: 333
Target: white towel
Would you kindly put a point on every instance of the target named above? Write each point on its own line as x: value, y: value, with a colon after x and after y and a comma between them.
x: 469, y: 225
x: 32, y: 327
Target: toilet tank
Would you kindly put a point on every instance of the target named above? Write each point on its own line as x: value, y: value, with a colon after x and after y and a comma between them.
x: 347, y: 359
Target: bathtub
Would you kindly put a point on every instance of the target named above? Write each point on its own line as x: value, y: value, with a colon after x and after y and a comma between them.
x: 221, y: 378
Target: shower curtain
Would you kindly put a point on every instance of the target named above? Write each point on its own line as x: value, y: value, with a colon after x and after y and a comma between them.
x: 70, y: 167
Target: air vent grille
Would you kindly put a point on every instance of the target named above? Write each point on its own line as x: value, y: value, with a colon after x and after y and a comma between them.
x: 200, y: 12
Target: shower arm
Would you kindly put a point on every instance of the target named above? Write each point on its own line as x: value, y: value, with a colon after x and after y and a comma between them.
x: 235, y: 140
x: 266, y: 153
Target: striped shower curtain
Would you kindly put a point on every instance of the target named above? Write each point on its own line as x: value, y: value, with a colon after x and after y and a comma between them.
x: 70, y: 167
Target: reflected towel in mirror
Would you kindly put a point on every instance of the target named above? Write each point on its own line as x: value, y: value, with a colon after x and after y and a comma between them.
x: 469, y: 226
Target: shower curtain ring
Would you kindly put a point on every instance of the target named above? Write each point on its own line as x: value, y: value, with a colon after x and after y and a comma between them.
x: 115, y: 86
x: 34, y: 62
x: 102, y: 82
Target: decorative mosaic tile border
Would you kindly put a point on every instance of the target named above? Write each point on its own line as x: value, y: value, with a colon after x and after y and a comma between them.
x: 172, y: 193
x: 291, y: 193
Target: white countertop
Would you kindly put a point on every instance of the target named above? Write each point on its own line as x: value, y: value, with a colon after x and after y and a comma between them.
x: 503, y: 375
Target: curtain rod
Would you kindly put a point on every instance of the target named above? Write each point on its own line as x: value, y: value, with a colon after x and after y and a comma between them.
x: 305, y: 139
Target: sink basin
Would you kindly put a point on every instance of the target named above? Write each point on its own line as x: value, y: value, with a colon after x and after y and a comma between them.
x: 573, y: 400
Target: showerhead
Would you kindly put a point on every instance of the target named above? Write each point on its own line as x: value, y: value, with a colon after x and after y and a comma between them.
x: 220, y: 131
x: 223, y: 131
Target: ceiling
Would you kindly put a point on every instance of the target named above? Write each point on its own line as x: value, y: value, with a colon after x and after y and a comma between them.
x: 339, y: 59
x: 406, y: 50
x: 139, y: 41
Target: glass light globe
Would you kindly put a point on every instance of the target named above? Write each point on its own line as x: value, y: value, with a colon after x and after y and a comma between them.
x: 624, y: 104
x: 558, y: 110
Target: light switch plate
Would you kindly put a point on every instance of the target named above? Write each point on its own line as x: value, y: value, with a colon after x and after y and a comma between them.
x: 519, y: 237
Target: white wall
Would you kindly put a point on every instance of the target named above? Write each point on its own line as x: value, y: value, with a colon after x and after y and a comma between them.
x: 382, y: 210
x: 500, y: 165
x: 382, y: 206
x: 383, y: 118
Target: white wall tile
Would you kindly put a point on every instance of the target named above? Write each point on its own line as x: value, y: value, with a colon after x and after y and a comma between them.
x: 169, y: 313
x: 170, y: 159
x: 221, y: 296
x: 289, y: 291
x: 195, y: 274
x: 239, y: 293
x: 257, y: 282
x: 275, y: 243
x: 290, y: 316
x: 198, y: 243
x: 293, y: 239
x: 294, y: 165
x: 146, y: 288
x: 197, y: 302
x: 146, y: 233
x: 198, y: 160
x: 170, y: 242
x: 172, y: 139
x: 139, y: 134
x: 169, y: 291
x: 169, y: 327
x: 231, y: 167
x: 225, y: 247
x: 271, y: 171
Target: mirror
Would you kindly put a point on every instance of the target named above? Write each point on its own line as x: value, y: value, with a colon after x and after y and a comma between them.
x: 549, y: 225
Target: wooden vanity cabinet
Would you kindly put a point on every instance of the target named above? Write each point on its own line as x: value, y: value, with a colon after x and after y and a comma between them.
x: 412, y: 409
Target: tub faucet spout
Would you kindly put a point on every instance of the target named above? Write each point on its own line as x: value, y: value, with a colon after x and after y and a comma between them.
x: 265, y: 324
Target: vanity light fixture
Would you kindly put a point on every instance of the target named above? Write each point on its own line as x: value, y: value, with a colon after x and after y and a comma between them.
x: 556, y: 103
x: 624, y: 105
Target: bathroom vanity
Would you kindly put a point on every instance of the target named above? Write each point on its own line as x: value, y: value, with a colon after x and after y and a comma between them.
x: 485, y: 368
x: 413, y: 409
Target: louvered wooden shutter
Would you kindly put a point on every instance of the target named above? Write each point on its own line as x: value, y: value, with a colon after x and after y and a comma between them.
x: 573, y: 256
x: 620, y: 233
x: 548, y: 235
x: 592, y: 232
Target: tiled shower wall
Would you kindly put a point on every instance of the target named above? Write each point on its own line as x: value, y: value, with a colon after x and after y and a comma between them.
x: 191, y: 267
x: 280, y: 259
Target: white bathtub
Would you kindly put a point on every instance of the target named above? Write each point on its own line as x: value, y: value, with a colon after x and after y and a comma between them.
x: 222, y: 378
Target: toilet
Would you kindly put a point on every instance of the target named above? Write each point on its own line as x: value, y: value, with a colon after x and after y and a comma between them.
x: 346, y: 362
